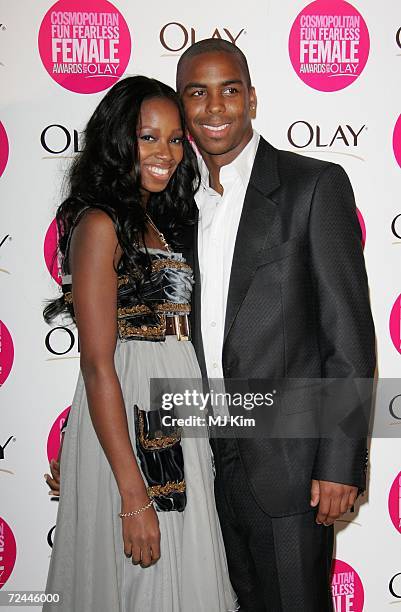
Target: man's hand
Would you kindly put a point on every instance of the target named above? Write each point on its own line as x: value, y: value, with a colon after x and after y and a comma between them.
x: 334, y: 499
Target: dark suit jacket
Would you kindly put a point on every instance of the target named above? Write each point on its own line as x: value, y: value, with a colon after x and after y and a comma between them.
x: 297, y: 307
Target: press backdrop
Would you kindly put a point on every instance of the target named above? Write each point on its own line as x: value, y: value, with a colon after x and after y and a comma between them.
x: 327, y: 76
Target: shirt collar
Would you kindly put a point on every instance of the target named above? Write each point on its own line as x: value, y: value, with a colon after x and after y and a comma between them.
x: 241, y: 166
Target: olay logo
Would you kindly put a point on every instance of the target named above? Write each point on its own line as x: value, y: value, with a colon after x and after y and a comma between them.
x: 302, y: 134
x: 175, y: 36
x: 394, y: 407
x: 4, y: 240
x: 394, y: 586
x: 61, y: 342
x: 398, y: 38
x: 50, y: 536
x: 56, y: 139
x: 396, y: 226
x: 8, y: 552
x: 3, y: 446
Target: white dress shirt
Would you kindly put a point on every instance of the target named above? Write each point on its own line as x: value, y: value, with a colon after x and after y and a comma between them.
x: 219, y: 217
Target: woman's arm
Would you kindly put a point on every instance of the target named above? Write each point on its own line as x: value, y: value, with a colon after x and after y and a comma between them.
x: 93, y: 253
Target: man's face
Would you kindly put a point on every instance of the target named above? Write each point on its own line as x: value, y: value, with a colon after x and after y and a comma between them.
x: 218, y: 103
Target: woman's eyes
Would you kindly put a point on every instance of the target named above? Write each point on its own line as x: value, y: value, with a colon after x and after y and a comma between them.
x: 147, y: 137
x: 150, y: 138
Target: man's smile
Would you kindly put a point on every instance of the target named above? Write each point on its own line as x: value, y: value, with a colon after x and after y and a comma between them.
x: 215, y: 130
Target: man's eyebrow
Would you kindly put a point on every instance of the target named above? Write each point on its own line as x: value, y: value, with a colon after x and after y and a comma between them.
x: 194, y: 85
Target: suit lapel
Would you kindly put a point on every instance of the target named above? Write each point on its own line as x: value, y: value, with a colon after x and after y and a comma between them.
x: 258, y: 214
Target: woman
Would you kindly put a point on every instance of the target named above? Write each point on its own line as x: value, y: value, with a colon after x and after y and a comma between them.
x: 129, y: 292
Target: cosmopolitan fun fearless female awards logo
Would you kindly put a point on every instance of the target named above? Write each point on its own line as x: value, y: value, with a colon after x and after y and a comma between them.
x: 4, y: 149
x: 50, y: 252
x: 395, y: 324
x: 54, y: 438
x: 8, y: 552
x: 85, y: 45
x: 362, y: 226
x: 397, y: 141
x: 6, y: 353
x: 329, y: 44
x: 394, y: 503
x: 346, y: 588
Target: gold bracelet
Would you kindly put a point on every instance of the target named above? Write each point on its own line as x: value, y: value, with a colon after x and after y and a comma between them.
x: 135, y: 512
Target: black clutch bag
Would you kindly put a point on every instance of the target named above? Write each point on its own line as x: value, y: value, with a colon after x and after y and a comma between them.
x: 160, y: 455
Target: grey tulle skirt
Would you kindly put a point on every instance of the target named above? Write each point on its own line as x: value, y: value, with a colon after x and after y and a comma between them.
x: 88, y: 566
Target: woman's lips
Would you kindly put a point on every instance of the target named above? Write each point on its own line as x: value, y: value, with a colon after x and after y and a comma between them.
x: 158, y: 172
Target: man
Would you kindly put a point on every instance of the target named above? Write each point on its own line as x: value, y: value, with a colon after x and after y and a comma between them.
x: 281, y: 291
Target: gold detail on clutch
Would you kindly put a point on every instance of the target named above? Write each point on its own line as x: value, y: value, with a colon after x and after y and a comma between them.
x: 68, y: 297
x: 155, y: 443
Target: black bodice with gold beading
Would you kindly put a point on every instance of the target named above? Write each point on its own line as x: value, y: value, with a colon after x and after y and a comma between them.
x: 166, y: 293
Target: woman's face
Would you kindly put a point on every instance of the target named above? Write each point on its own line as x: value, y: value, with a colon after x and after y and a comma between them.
x: 160, y: 143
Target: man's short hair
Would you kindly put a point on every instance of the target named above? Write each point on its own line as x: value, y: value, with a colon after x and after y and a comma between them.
x: 211, y: 45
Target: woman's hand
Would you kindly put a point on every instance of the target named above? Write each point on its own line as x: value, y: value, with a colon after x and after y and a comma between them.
x: 141, y: 533
x: 53, y: 480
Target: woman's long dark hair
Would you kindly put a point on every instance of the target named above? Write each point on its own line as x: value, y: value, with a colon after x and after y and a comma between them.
x: 106, y: 175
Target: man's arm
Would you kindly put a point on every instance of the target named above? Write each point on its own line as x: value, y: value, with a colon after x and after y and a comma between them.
x: 346, y: 335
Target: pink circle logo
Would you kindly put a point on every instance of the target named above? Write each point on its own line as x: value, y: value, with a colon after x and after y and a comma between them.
x: 8, y: 552
x: 4, y: 148
x: 329, y: 44
x: 397, y: 141
x: 394, y: 503
x: 346, y: 588
x: 6, y: 353
x: 50, y: 251
x: 395, y: 324
x: 362, y: 226
x: 54, y: 438
x: 85, y: 45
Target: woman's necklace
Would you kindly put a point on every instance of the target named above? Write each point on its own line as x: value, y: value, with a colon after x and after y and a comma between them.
x: 158, y: 232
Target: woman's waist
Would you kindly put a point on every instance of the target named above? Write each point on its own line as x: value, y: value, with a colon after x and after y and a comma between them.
x: 141, y: 322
